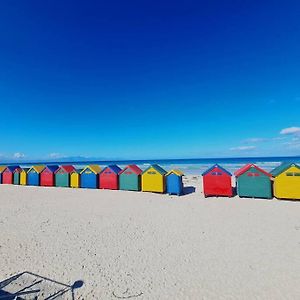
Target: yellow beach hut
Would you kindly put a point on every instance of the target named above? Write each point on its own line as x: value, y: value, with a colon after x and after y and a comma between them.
x: 75, y: 178
x: 23, y: 176
x: 154, y: 180
x: 287, y: 181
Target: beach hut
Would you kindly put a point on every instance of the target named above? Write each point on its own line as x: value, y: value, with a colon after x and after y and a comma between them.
x: 253, y: 182
x: 153, y: 179
x: 89, y: 177
x: 109, y: 178
x: 47, y: 175
x: 8, y: 174
x: 287, y: 181
x: 217, y: 182
x: 16, y: 176
x: 174, y: 182
x: 130, y: 178
x: 2, y: 168
x: 23, y: 176
x: 75, y: 178
x: 33, y: 175
x: 62, y: 175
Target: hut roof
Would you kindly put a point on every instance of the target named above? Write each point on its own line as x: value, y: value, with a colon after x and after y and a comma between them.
x: 158, y: 168
x: 283, y: 167
x: 116, y: 169
x: 94, y: 168
x: 18, y: 169
x: 176, y: 172
x: 216, y: 166
x: 247, y: 167
x: 12, y: 168
x: 67, y: 168
x: 52, y: 168
x: 2, y: 168
x: 25, y: 169
x: 134, y: 168
x: 38, y: 168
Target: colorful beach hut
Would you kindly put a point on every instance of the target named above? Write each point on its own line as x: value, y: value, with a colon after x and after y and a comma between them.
x: 153, y: 179
x: 33, y: 175
x: 23, y: 176
x: 48, y: 175
x: 174, y: 182
x: 130, y: 178
x: 253, y: 182
x: 62, y: 175
x: 8, y: 174
x: 109, y: 178
x: 89, y: 177
x: 287, y: 181
x: 2, y: 168
x: 16, y: 176
x: 75, y: 178
x: 217, y: 182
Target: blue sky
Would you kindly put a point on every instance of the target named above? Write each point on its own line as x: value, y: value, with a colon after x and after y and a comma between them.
x: 149, y: 79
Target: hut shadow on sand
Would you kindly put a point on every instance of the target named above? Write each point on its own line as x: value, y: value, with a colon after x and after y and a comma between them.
x: 188, y: 190
x: 30, y: 286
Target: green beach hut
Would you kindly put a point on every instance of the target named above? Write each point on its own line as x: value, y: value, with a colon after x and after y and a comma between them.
x: 16, y: 176
x: 62, y: 175
x: 130, y: 178
x: 253, y: 182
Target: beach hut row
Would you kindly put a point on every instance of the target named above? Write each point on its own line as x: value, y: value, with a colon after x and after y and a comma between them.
x: 253, y: 182
x: 153, y: 179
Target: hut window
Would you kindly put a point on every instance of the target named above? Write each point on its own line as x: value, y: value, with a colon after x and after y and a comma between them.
x: 292, y: 174
x: 252, y: 174
x: 128, y: 172
x: 151, y: 172
x: 216, y: 173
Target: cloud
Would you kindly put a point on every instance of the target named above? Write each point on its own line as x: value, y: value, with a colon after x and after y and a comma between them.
x: 290, y: 130
x: 243, y: 148
x: 255, y: 140
x: 19, y: 155
x: 55, y: 155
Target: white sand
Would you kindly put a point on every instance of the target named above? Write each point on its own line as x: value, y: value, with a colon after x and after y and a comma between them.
x: 150, y: 246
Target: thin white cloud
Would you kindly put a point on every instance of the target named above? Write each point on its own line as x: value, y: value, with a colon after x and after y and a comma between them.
x: 243, y: 148
x: 18, y: 155
x: 255, y: 140
x: 290, y: 130
x: 55, y: 155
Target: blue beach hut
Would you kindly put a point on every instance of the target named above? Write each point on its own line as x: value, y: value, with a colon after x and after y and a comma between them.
x: 33, y: 175
x: 89, y: 177
x: 174, y: 182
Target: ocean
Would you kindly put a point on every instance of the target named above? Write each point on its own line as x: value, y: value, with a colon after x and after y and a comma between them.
x: 189, y: 166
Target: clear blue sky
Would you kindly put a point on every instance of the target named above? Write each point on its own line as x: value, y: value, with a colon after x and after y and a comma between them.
x: 149, y: 79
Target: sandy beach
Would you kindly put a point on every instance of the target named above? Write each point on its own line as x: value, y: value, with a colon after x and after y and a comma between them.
x: 133, y: 245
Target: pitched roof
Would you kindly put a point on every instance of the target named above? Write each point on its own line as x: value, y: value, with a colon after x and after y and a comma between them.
x: 116, y: 169
x: 66, y: 168
x: 52, y: 168
x: 12, y: 168
x: 94, y: 168
x: 283, y: 167
x: 18, y: 169
x: 247, y: 167
x: 216, y: 166
x: 134, y: 168
x: 158, y: 168
x: 25, y: 169
x: 176, y: 172
x: 38, y: 168
x: 2, y: 168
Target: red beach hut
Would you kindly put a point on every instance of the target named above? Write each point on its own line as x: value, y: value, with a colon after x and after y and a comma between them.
x: 217, y: 182
x: 109, y: 178
x: 8, y: 174
x: 47, y: 175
